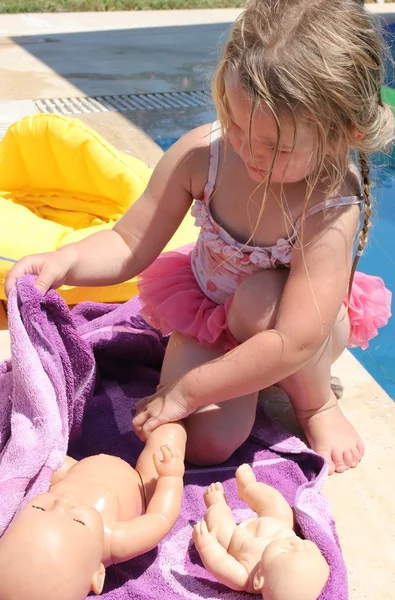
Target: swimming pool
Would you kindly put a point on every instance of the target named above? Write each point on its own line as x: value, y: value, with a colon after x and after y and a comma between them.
x: 379, y: 259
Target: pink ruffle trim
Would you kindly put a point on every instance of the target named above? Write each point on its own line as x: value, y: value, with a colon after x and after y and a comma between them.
x: 369, y: 308
x: 173, y: 301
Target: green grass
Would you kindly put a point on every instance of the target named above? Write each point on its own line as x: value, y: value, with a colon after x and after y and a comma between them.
x: 26, y: 6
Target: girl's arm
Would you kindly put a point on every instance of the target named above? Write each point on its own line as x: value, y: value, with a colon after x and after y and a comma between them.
x: 310, y: 304
x: 112, y: 256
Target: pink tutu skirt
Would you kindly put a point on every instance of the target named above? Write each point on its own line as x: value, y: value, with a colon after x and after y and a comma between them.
x: 173, y: 301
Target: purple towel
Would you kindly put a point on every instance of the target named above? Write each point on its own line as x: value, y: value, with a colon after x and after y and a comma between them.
x: 47, y: 400
x: 43, y: 392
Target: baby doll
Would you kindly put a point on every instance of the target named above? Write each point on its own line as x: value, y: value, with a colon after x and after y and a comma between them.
x: 261, y: 555
x: 97, y: 512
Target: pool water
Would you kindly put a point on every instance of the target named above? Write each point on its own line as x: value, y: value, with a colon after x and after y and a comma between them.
x: 379, y: 259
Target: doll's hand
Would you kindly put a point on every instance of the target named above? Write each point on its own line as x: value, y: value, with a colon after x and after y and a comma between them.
x: 167, y: 405
x: 202, y: 537
x: 170, y: 463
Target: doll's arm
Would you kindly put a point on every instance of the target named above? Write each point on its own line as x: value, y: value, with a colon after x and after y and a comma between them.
x: 62, y: 472
x: 217, y: 561
x: 170, y: 434
x: 132, y: 538
x: 263, y: 499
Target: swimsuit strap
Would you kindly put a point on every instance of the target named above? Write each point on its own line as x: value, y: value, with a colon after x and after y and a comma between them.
x: 331, y: 203
x: 215, y: 136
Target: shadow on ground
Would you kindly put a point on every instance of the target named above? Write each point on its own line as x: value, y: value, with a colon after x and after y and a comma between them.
x: 133, y: 61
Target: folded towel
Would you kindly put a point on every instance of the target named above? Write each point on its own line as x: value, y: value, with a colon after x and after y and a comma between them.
x: 43, y: 392
x: 49, y: 400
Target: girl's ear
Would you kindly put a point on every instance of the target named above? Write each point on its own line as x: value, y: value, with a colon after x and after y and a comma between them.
x: 357, y: 134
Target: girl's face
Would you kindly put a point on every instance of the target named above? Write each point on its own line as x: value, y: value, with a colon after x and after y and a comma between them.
x: 296, y: 157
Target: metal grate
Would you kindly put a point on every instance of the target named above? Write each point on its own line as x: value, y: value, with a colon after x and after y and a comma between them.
x: 124, y: 102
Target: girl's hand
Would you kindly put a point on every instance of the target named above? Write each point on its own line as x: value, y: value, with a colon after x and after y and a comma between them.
x: 167, y: 405
x: 51, y: 269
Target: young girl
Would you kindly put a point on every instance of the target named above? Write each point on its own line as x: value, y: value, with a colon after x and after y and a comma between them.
x: 263, y: 297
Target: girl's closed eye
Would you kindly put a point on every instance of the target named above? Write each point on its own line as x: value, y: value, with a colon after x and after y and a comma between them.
x: 273, y: 149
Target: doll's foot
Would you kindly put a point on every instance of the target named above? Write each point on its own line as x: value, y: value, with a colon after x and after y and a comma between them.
x: 330, y: 434
x: 244, y: 476
x: 214, y: 493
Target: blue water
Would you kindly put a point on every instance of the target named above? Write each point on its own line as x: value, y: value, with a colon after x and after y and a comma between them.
x: 165, y: 142
x: 379, y: 259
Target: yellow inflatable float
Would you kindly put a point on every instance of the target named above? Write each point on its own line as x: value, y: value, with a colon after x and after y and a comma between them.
x: 59, y: 182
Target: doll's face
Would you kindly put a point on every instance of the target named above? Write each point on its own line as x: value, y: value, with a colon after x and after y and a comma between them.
x: 63, y: 513
x: 57, y: 544
x: 306, y: 570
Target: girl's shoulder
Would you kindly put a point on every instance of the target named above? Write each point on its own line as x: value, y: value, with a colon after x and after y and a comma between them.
x: 191, y: 153
x: 347, y: 193
x: 340, y: 208
x: 352, y: 184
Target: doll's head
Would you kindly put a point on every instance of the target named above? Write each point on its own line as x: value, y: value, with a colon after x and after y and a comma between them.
x: 52, y: 550
x: 291, y: 569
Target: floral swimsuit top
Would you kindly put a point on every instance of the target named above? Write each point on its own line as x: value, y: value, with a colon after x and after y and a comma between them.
x: 218, y: 261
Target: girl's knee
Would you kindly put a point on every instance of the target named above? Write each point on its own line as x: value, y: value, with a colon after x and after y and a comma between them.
x: 207, y: 444
x: 208, y: 452
x: 255, y: 303
x: 213, y: 435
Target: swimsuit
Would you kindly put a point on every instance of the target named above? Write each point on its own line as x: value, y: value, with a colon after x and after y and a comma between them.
x: 191, y: 290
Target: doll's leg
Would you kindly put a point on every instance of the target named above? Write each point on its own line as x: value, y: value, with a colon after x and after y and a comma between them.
x: 254, y: 309
x: 219, y: 514
x: 61, y: 473
x: 170, y: 434
x: 263, y: 499
x: 215, y: 431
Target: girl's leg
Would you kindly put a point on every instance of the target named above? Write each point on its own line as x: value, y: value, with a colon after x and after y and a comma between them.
x: 215, y: 431
x: 315, y: 404
x: 326, y: 428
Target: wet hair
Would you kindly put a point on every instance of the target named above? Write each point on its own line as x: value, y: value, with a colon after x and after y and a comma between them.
x: 317, y: 60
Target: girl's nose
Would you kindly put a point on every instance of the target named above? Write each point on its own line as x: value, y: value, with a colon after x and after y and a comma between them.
x: 244, y: 151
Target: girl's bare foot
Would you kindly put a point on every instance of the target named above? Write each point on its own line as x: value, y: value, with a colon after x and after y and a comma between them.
x: 330, y: 434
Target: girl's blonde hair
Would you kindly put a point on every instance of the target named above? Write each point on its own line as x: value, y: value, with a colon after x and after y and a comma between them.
x: 320, y: 60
